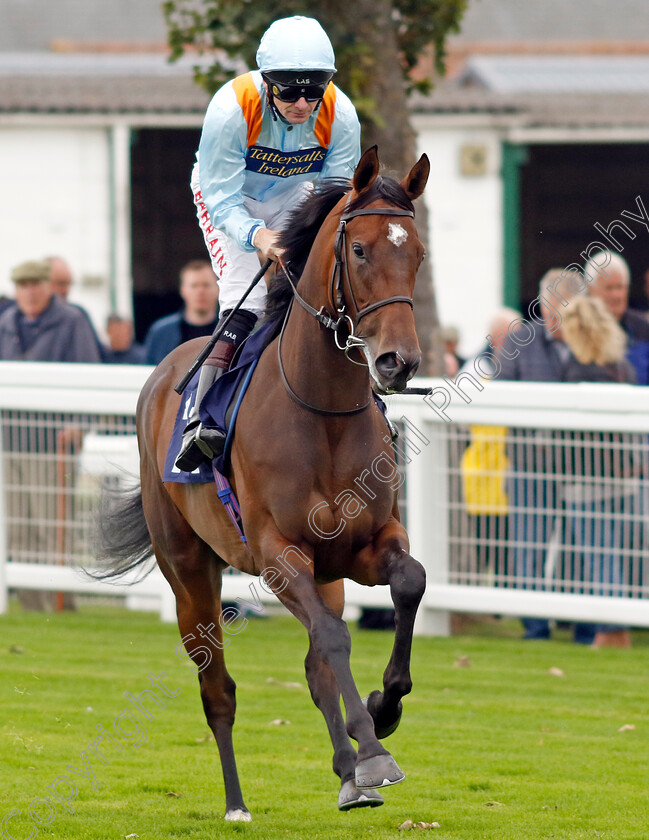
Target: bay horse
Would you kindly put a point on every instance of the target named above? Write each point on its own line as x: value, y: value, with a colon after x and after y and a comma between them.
x: 315, y: 505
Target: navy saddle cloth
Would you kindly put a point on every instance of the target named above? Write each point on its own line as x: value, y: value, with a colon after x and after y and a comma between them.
x: 217, y: 410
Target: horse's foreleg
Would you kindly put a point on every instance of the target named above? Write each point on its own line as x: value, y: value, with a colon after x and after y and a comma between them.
x: 331, y: 643
x: 407, y: 581
x: 326, y: 696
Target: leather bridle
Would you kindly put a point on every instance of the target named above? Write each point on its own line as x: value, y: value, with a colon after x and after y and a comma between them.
x: 339, y: 279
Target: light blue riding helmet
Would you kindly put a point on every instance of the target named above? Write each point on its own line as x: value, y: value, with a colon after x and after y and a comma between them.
x: 295, y: 43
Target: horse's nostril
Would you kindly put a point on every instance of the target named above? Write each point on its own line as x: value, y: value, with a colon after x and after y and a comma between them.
x: 389, y: 364
x: 393, y: 366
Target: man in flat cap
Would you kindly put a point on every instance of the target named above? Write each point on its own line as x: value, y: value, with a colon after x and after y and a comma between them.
x: 40, y: 327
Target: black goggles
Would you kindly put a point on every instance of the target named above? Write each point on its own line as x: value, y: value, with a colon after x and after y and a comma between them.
x: 312, y: 92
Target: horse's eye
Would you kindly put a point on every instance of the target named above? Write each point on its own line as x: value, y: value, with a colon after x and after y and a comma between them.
x: 358, y: 250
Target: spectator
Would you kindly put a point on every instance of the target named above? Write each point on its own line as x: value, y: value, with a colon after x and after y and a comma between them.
x: 451, y: 367
x: 200, y: 293
x: 602, y: 497
x: 644, y: 307
x: 122, y: 349
x: 451, y: 339
x: 60, y: 277
x: 640, y: 301
x: 61, y: 283
x: 484, y: 466
x: 499, y: 325
x: 41, y: 327
x: 38, y: 327
x: 540, y: 355
x: 608, y: 278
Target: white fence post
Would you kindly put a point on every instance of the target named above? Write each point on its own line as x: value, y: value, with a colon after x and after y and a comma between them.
x: 427, y: 508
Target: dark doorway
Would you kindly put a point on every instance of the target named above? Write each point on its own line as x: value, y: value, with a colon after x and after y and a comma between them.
x: 564, y: 191
x: 165, y: 233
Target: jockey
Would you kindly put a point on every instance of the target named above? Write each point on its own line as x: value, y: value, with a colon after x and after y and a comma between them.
x: 267, y: 136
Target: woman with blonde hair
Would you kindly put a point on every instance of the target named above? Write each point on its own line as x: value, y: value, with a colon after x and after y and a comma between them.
x: 602, y: 481
x: 597, y: 343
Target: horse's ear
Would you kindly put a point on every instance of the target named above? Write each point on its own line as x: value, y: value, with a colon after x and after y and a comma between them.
x: 415, y: 181
x: 367, y: 170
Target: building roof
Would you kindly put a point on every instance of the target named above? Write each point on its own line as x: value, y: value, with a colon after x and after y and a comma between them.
x: 39, y: 24
x: 539, y: 110
x: 558, y: 74
x: 99, y: 83
x: 547, y: 91
x: 556, y: 20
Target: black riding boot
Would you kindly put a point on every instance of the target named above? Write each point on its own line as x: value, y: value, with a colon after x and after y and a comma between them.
x: 200, y: 444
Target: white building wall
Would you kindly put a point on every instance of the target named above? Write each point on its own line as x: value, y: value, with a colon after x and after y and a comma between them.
x: 466, y: 235
x: 55, y: 189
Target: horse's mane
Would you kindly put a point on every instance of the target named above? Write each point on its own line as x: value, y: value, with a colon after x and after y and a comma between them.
x: 305, y: 221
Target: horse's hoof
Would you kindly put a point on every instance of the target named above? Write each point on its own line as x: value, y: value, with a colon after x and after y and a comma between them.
x: 238, y: 815
x: 382, y: 729
x: 378, y: 771
x: 351, y: 797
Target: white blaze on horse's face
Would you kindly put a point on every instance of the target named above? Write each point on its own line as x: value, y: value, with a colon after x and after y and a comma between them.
x: 397, y: 235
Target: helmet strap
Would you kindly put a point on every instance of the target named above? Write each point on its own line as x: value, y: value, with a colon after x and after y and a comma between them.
x: 271, y: 101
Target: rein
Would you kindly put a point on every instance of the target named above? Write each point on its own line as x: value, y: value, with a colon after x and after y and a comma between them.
x: 312, y: 408
x: 339, y: 274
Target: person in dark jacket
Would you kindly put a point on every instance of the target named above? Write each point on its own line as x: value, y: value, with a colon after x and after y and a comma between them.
x: 537, y: 353
x: 122, y: 349
x: 602, y: 493
x: 39, y: 327
x: 608, y: 278
x: 200, y: 293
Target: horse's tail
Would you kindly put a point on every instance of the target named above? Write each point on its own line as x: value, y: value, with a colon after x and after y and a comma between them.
x: 122, y: 539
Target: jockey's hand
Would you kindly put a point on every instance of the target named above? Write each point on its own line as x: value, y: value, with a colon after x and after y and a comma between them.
x: 265, y: 242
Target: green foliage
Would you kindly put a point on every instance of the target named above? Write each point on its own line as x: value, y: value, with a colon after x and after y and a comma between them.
x: 500, y: 749
x: 234, y: 28
x: 424, y: 23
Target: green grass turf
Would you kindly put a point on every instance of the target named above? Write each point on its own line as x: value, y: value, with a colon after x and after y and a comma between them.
x: 500, y: 749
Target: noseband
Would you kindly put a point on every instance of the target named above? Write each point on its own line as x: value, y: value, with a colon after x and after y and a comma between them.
x: 339, y: 274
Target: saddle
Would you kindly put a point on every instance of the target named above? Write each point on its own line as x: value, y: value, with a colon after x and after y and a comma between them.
x: 219, y: 408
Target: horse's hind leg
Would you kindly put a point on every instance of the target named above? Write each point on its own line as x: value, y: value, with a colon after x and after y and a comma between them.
x: 407, y: 580
x: 199, y: 610
x: 326, y: 697
x: 194, y: 573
